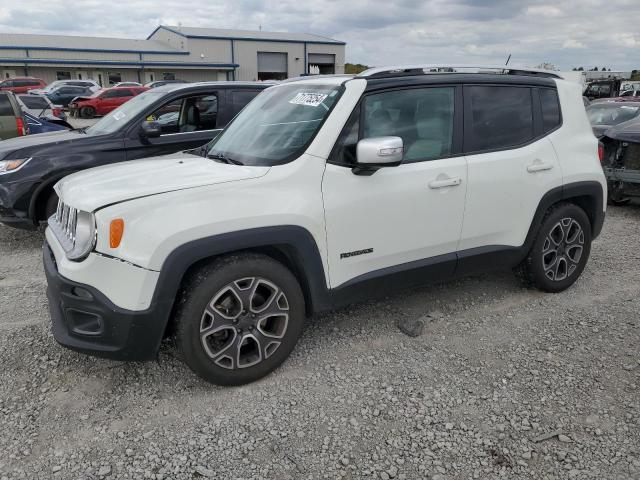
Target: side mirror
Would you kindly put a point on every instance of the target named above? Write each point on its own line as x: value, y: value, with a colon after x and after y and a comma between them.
x: 378, y: 152
x: 151, y: 129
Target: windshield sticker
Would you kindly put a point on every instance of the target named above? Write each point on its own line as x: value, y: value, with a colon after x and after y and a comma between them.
x: 308, y: 99
x: 119, y: 115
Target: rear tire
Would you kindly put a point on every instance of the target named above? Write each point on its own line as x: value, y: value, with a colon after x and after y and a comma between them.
x: 560, y: 250
x: 239, y: 318
x: 87, y: 112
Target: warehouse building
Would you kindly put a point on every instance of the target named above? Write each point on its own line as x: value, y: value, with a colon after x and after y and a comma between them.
x: 185, y: 53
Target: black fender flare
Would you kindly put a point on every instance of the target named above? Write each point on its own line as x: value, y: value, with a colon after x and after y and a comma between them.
x: 293, y: 244
x: 589, y: 195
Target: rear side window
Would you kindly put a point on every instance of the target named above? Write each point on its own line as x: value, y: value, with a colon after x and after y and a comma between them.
x: 6, y: 109
x: 550, y: 109
x: 497, y: 117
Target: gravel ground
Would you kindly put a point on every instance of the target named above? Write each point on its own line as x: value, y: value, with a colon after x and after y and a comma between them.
x: 504, y: 382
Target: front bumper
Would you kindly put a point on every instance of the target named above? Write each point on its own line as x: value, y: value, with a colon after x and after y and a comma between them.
x: 85, y: 320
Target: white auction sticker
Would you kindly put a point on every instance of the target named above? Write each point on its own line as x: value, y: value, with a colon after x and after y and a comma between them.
x: 308, y: 98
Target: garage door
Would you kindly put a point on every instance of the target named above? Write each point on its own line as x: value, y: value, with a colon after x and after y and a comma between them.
x: 322, y: 58
x: 272, y: 66
x: 323, y: 63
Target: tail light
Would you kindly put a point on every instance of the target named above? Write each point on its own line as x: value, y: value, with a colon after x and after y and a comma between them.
x: 57, y: 112
x: 22, y: 130
x: 601, y: 151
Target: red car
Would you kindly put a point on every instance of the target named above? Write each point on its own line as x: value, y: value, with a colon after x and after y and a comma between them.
x: 21, y: 84
x: 103, y: 101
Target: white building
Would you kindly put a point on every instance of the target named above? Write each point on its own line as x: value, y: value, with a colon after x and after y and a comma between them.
x: 187, y: 53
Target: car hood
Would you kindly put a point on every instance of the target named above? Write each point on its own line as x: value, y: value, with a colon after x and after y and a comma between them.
x: 98, y: 187
x: 25, y: 144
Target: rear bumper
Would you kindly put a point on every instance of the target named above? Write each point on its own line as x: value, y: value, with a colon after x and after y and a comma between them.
x: 85, y: 320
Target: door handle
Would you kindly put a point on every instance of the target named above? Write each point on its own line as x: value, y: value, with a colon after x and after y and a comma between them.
x: 445, y: 182
x: 539, y: 166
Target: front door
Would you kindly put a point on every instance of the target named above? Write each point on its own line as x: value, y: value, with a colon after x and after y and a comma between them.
x: 400, y: 217
x: 186, y: 122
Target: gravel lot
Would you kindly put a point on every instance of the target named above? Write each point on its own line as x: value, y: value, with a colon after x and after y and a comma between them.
x: 503, y: 383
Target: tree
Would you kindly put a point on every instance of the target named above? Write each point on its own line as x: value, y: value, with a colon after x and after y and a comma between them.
x: 354, y: 68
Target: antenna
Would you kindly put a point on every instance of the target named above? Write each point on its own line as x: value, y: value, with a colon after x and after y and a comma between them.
x: 507, y: 62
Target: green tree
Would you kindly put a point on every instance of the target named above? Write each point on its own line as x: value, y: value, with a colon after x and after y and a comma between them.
x: 354, y: 68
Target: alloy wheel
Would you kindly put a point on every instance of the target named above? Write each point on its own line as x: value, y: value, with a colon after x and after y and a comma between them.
x: 244, y: 323
x: 562, y: 249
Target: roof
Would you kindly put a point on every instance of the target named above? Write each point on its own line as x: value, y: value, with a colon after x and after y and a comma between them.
x: 224, y: 33
x: 86, y: 44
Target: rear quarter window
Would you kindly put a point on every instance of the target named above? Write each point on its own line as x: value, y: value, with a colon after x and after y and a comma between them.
x: 497, y: 117
x: 550, y: 107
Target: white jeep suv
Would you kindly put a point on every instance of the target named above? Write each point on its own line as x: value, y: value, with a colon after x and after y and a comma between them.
x: 321, y: 192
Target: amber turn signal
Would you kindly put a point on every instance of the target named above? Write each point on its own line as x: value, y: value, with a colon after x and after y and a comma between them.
x: 116, y: 230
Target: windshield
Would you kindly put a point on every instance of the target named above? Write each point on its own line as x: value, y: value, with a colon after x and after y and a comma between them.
x: 121, y: 115
x: 610, y: 114
x: 277, y: 125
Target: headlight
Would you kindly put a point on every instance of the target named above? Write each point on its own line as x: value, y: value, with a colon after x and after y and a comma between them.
x: 8, y: 166
x: 75, y: 230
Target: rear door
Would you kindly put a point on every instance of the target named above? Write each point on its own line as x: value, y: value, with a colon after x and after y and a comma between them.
x: 511, y: 162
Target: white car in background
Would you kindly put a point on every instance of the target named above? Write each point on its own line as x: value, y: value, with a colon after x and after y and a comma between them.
x: 91, y: 84
x: 127, y: 84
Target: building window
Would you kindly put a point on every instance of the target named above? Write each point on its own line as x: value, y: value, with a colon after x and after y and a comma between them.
x: 63, y: 75
x: 114, y: 77
x: 168, y: 76
x: 272, y: 66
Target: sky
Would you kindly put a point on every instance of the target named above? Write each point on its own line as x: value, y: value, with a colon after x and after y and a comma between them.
x: 567, y: 34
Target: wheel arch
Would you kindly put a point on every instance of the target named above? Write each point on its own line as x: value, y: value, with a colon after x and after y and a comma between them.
x: 588, y: 195
x: 293, y: 246
x: 41, y: 194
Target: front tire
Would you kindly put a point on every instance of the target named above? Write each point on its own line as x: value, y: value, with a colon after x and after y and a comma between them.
x: 239, y: 318
x: 51, y: 206
x: 87, y: 112
x: 560, y: 251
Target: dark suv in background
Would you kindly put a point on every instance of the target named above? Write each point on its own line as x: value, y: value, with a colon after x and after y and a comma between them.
x: 160, y: 121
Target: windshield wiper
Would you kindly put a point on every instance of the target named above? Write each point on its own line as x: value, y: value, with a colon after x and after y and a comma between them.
x: 222, y: 158
x: 81, y: 129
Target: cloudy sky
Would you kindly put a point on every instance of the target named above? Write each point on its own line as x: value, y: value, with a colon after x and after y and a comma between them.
x: 378, y: 32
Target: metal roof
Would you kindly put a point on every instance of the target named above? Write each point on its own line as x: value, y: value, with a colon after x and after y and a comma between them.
x: 85, y: 44
x: 224, y: 33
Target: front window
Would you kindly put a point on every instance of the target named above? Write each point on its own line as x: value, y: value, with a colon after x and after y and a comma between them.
x: 121, y: 115
x: 610, y: 114
x: 277, y: 126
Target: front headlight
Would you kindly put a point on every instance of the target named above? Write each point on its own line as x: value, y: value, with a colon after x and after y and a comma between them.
x: 8, y: 166
x: 75, y: 230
